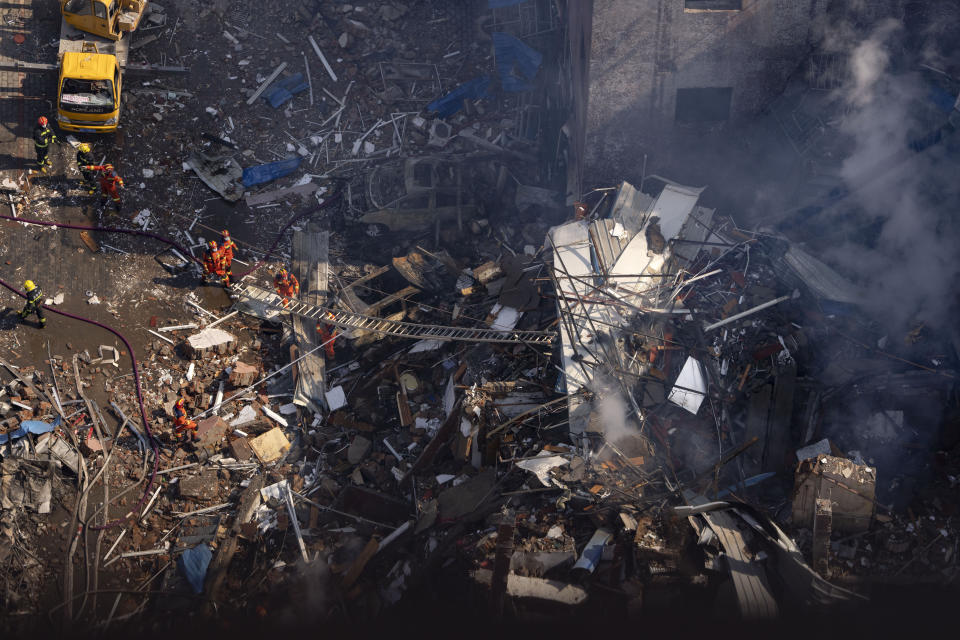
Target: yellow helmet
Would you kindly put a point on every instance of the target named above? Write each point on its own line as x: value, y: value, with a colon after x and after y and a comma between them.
x: 29, y: 286
x: 83, y: 147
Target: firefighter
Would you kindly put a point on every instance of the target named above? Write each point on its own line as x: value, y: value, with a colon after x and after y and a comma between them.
x: 227, y: 246
x: 85, y: 159
x: 110, y: 182
x: 181, y: 423
x: 328, y: 334
x: 33, y: 303
x: 211, y: 260
x: 226, y: 251
x: 42, y: 137
x: 286, y: 285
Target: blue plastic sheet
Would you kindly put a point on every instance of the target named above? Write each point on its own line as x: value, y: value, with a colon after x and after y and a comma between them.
x: 194, y: 562
x: 453, y: 101
x: 517, y: 64
x: 285, y: 90
x: 749, y: 482
x: 36, y: 427
x: 270, y: 171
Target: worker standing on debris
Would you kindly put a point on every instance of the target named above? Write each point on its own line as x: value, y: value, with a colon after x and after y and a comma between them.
x: 226, y: 254
x: 328, y: 335
x: 33, y: 303
x: 110, y: 183
x: 227, y: 246
x: 42, y: 137
x: 181, y: 423
x: 85, y: 159
x: 211, y: 260
x: 286, y: 285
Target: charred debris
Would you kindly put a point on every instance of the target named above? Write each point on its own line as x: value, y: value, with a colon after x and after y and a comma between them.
x: 532, y: 407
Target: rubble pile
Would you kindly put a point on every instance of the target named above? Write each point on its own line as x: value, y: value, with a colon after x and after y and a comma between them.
x: 482, y: 395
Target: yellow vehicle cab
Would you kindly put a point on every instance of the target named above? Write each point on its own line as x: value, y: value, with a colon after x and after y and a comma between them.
x: 106, y: 18
x: 88, y: 92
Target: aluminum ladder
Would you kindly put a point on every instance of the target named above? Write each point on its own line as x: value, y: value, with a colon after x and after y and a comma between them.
x: 350, y: 320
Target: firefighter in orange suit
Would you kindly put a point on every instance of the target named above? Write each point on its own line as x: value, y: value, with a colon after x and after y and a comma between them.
x: 181, y: 423
x: 327, y: 334
x: 286, y: 285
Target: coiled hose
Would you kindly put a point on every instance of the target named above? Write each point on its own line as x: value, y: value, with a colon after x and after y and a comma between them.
x: 136, y: 370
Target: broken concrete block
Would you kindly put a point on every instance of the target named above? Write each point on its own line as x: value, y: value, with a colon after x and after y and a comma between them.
x: 852, y: 488
x: 537, y: 588
x: 207, y: 340
x: 462, y: 500
x: 210, y: 430
x: 243, y: 374
x: 358, y: 450
x: 270, y: 446
x: 240, y: 449
x: 247, y: 414
x: 202, y: 487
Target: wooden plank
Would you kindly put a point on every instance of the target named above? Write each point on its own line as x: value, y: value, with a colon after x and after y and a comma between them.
x: 360, y: 563
x: 311, y: 267
x: 758, y: 413
x: 376, y: 273
x: 378, y: 306
x: 779, y: 434
x: 267, y: 82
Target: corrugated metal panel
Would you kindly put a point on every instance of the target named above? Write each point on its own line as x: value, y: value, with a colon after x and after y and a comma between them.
x: 822, y: 280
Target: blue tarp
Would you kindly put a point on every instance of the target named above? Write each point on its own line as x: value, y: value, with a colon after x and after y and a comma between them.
x: 453, y: 101
x: 270, y: 171
x: 36, y: 427
x: 194, y: 562
x: 749, y: 482
x: 517, y: 64
x: 285, y: 90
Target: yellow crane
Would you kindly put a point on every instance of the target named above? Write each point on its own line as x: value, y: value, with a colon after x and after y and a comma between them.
x: 108, y: 19
x: 91, y: 74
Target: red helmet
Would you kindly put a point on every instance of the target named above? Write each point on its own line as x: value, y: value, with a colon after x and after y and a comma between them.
x: 179, y: 402
x: 225, y: 233
x: 42, y: 121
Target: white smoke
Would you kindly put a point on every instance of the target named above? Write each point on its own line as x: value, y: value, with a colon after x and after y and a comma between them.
x: 909, y: 269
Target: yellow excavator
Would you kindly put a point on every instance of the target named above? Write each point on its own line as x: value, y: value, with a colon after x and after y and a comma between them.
x: 90, y: 81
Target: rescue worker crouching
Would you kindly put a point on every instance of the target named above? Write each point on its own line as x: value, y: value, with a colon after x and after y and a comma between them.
x: 182, y: 425
x: 84, y: 160
x: 43, y: 135
x: 33, y: 303
x: 286, y: 285
x: 110, y: 184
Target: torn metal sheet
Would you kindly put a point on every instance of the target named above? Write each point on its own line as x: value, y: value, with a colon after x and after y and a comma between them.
x: 754, y: 595
x: 690, y: 387
x: 673, y: 206
x: 822, y: 280
x: 541, y: 465
x: 219, y: 172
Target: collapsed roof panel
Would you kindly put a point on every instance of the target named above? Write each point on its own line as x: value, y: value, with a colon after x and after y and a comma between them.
x: 673, y: 207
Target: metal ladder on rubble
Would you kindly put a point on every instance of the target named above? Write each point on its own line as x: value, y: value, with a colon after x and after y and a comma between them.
x: 350, y: 320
